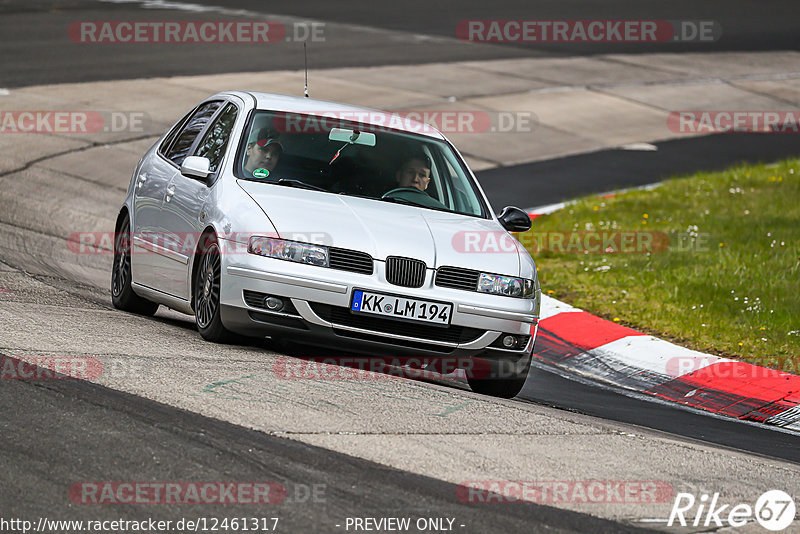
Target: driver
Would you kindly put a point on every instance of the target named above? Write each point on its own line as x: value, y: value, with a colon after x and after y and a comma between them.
x: 415, y: 173
x: 263, y: 153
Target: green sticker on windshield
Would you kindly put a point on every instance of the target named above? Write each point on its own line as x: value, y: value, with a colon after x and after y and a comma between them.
x: 261, y: 173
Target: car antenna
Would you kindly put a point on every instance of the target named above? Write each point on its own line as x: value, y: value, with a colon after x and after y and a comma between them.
x: 305, y: 62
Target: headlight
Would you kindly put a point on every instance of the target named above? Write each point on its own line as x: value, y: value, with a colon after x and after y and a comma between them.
x: 288, y: 250
x: 506, y: 285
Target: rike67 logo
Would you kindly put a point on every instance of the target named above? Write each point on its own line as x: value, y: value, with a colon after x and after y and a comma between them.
x: 774, y: 510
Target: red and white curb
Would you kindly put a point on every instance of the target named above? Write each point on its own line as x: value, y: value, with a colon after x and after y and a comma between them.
x: 587, y: 345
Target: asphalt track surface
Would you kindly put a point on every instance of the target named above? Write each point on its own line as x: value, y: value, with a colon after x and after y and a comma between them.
x: 165, y: 443
x: 123, y: 437
x: 556, y: 180
x: 34, y: 51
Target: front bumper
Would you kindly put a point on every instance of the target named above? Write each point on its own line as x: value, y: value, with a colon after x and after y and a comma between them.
x: 319, y: 311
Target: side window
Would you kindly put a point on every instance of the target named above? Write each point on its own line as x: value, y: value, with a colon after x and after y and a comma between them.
x: 459, y: 186
x: 183, y: 142
x: 170, y: 137
x: 216, y: 139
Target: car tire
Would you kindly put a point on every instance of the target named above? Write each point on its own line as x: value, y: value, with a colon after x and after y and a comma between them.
x: 206, y: 287
x: 494, y: 378
x: 122, y: 295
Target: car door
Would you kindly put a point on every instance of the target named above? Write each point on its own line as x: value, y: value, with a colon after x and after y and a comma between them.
x: 154, y: 247
x: 186, y: 199
x: 151, y: 183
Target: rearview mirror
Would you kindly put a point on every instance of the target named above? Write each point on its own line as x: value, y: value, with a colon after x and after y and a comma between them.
x: 514, y: 219
x: 195, y: 167
x: 352, y: 136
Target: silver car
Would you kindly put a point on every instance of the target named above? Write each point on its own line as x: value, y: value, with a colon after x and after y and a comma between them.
x: 332, y: 225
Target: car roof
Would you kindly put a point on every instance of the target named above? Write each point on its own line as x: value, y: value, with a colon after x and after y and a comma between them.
x: 375, y: 117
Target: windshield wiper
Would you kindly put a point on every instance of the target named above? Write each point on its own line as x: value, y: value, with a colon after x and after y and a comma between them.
x: 300, y: 184
x: 400, y: 200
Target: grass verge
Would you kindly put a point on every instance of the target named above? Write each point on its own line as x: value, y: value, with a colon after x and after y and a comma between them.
x: 710, y: 261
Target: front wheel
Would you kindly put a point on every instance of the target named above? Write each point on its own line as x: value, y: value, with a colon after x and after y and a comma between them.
x: 499, y: 377
x: 206, y: 296
x: 122, y: 295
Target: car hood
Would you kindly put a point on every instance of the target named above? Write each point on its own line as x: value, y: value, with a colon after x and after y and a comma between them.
x: 384, y: 229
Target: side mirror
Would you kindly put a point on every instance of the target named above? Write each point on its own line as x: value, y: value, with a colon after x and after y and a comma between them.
x: 514, y: 219
x: 195, y: 167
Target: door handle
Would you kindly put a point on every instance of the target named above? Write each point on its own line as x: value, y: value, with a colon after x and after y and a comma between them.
x: 141, y: 180
x: 170, y: 193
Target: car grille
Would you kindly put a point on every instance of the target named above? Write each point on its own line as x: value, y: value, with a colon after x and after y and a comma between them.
x: 457, y: 278
x: 350, y: 260
x: 405, y: 272
x: 342, y: 316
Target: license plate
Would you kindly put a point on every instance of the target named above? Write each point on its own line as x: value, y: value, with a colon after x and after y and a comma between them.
x: 402, y: 308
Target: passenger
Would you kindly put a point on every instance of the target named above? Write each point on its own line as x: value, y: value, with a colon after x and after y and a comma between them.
x: 262, y: 155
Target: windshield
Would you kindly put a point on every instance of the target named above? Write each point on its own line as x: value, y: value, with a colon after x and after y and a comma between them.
x: 343, y: 157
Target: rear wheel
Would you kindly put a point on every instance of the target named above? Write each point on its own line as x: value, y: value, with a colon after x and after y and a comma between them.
x: 207, y: 295
x: 499, y: 377
x: 122, y: 295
